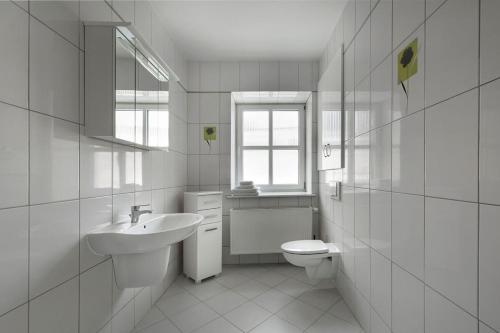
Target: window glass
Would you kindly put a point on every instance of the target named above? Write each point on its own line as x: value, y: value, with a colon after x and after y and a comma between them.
x: 256, y: 166
x: 285, y: 167
x: 255, y: 128
x: 285, y: 128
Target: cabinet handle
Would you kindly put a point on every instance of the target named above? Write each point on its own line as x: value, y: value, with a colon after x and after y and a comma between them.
x: 328, y: 150
x: 210, y: 201
x: 211, y: 229
x: 211, y: 216
x: 324, y: 151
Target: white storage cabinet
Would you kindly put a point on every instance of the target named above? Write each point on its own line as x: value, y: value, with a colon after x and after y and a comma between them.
x: 203, y: 249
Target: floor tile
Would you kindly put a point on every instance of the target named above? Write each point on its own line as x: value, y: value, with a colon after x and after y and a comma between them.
x: 273, y: 300
x: 247, y: 316
x: 220, y: 325
x: 253, y: 270
x: 161, y: 327
x: 205, y: 290
x: 225, y: 302
x: 232, y: 280
x: 177, y: 303
x: 276, y: 325
x: 293, y: 287
x: 331, y: 324
x: 271, y: 278
x: 153, y: 316
x: 300, y: 314
x: 194, y: 317
x: 323, y: 299
x: 341, y: 311
x: 251, y: 289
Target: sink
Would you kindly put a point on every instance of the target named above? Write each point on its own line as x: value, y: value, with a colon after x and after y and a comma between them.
x: 140, y: 251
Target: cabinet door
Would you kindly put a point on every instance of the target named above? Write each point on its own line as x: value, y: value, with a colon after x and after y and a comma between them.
x: 331, y: 116
x: 209, y: 249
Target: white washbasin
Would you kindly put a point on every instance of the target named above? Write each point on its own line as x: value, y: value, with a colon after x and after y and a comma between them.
x: 140, y: 251
x: 152, y: 232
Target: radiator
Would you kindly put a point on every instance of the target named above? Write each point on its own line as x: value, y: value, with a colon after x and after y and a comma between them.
x: 263, y: 230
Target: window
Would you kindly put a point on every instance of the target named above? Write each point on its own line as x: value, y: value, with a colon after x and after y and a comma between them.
x: 270, y: 146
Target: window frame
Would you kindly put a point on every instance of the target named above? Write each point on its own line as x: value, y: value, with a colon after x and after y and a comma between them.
x: 301, y: 147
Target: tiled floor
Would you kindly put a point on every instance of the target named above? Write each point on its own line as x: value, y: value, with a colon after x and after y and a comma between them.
x: 251, y: 298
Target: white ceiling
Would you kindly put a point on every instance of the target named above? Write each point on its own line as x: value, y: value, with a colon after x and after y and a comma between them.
x: 250, y: 29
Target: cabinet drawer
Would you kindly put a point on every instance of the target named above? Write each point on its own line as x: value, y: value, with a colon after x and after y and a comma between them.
x: 211, y: 215
x: 209, y: 201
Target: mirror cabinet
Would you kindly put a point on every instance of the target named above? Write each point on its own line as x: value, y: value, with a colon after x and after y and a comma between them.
x: 126, y: 89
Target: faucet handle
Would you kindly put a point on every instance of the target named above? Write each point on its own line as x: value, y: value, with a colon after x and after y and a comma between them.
x: 137, y: 207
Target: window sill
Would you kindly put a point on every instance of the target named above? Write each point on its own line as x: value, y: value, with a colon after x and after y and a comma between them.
x: 272, y: 195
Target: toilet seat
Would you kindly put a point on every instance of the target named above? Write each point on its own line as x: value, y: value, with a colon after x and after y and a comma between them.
x: 310, y: 248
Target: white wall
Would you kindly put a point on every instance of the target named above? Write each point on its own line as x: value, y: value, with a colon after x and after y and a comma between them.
x: 209, y: 104
x: 56, y: 184
x: 419, y: 217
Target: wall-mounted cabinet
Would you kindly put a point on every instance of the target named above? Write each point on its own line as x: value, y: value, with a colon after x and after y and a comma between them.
x: 331, y: 115
x: 126, y: 88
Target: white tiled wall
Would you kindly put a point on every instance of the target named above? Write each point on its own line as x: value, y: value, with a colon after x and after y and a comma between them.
x: 57, y: 184
x: 209, y: 104
x: 425, y: 167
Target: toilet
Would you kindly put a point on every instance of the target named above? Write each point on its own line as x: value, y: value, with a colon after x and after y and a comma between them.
x: 319, y: 259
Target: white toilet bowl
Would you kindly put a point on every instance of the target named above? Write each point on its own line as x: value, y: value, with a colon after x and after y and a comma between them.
x: 318, y: 258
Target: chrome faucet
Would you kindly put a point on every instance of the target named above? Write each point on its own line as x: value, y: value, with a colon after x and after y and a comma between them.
x: 135, y: 213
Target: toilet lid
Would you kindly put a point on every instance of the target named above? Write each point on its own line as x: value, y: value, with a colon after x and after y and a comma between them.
x: 305, y: 247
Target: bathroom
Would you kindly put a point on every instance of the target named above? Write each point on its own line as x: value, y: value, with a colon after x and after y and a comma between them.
x: 284, y: 166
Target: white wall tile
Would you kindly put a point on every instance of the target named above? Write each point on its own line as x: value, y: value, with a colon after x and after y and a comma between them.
x: 17, y: 320
x: 362, y: 214
x: 489, y: 266
x: 143, y: 19
x: 450, y: 270
x: 54, y: 68
x: 451, y: 168
x: 484, y: 329
x: 14, y: 58
x: 54, y: 239
x: 377, y: 324
x: 407, y: 16
x: 381, y: 94
x: 289, y: 76
x: 193, y: 107
x: 407, y: 302
x: 209, y: 108
x: 123, y: 322
x: 362, y: 161
x: 349, y: 70
x: 381, y: 285
x: 380, y: 222
x: 348, y: 208
x: 209, y: 76
x: 229, y: 76
x: 57, y: 310
x: 307, y: 77
x: 362, y: 107
x: 14, y: 257
x: 123, y: 169
x: 249, y: 76
x: 381, y: 32
x: 363, y: 8
x: 362, y: 54
x: 349, y: 21
x: 380, y: 158
x: 142, y: 168
x: 490, y: 49
x: 408, y: 233
x: 442, y: 316
x: 489, y: 173
x: 225, y: 108
x: 209, y: 170
x: 93, y: 212
x: 96, y: 167
x: 61, y: 16
x: 14, y: 157
x: 193, y: 169
x: 453, y: 29
x: 408, y: 154
x: 53, y: 159
x: 96, y: 297
x: 269, y: 77
x: 193, y: 76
